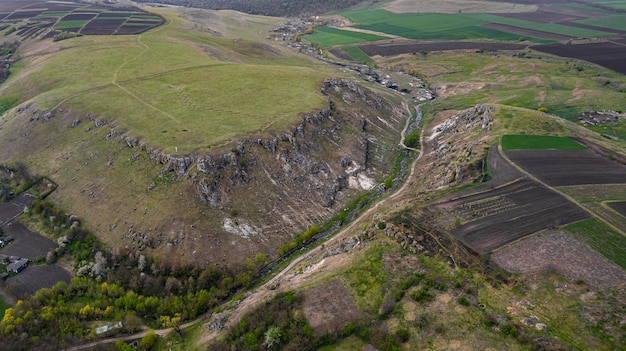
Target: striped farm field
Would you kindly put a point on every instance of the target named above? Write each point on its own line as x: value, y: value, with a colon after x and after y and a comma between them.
x: 546, y: 27
x: 617, y: 22
x: 327, y: 37
x: 357, y: 54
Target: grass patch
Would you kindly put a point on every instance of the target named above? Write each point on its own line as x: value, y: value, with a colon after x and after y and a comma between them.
x: 6, y: 104
x: 366, y: 278
x: 357, y: 54
x: 327, y: 37
x: 538, y: 142
x: 601, y: 238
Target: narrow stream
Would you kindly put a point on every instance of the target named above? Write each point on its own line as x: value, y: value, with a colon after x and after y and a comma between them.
x: 373, y: 195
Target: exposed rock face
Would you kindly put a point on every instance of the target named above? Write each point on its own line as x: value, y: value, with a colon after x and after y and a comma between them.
x: 454, y: 149
x: 265, y: 189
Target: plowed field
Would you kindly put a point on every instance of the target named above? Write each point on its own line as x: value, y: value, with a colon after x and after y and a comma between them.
x: 506, y: 209
x: 27, y: 243
x: 569, y: 167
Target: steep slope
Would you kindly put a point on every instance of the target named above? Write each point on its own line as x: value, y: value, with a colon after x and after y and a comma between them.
x: 112, y: 142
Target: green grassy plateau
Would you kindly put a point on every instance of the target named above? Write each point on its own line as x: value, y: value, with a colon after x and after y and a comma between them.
x: 178, y: 90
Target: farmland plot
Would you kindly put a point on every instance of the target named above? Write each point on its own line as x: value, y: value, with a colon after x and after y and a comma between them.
x: 608, y: 54
x: 506, y: 209
x: 534, y: 208
x: 8, y: 211
x: 392, y: 49
x: 569, y: 167
x: 557, y: 250
x: 27, y: 243
x: 33, y: 278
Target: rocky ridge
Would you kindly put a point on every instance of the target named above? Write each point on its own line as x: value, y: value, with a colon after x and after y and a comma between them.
x: 268, y: 189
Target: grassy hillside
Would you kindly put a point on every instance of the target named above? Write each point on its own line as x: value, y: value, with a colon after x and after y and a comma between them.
x: 178, y: 90
x: 524, y: 80
x: 191, y: 86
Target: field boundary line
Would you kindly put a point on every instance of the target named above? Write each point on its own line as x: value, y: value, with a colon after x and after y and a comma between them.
x: 568, y: 197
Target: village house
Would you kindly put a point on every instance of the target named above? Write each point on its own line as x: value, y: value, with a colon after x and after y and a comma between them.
x: 17, y: 266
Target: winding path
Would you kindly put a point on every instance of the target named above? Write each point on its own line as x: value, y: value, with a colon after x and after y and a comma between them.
x: 265, y: 291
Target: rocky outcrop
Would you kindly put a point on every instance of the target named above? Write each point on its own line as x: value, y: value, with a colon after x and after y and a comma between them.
x: 281, y: 183
x: 455, y: 146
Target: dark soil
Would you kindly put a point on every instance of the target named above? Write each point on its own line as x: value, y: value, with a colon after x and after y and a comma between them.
x: 569, y: 167
x: 392, y: 49
x: 27, y: 243
x: 608, y: 54
x: 8, y: 211
x: 526, y: 31
x: 33, y: 278
x: 505, y: 209
x: 525, y: 207
x: 619, y: 207
x: 340, y: 54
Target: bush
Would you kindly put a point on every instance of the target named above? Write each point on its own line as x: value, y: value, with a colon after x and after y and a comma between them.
x: 463, y: 301
x: 403, y: 335
x: 422, y: 295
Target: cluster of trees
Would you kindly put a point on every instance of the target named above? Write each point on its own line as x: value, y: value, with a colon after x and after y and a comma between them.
x: 114, y: 285
x: 280, y: 324
x: 165, y: 297
x: 277, y: 8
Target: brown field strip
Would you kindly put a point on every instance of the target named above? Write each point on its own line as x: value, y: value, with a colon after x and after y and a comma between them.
x: 569, y: 167
x: 506, y: 209
x: 27, y: 243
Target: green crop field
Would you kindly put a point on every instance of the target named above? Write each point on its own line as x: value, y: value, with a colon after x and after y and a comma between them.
x: 616, y: 4
x: 471, y: 32
x: 327, y: 37
x: 436, y: 26
x: 546, y: 27
x: 171, y: 94
x: 538, y: 142
x: 617, y: 22
x: 70, y: 24
x: 601, y: 238
x: 357, y: 54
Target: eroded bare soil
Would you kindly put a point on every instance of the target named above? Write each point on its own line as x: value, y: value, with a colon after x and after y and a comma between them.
x: 560, y: 252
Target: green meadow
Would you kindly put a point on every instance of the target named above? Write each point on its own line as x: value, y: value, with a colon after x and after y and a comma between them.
x: 176, y: 89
